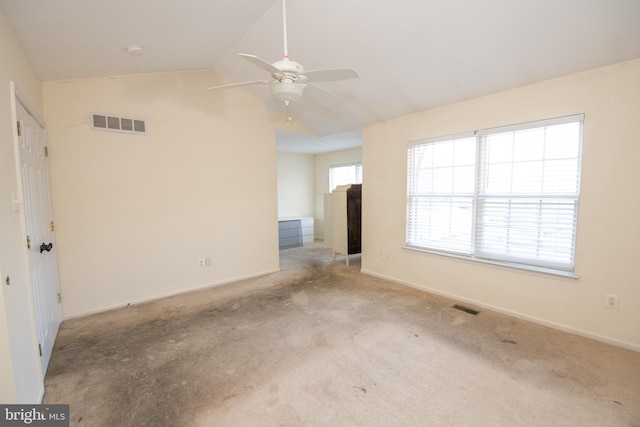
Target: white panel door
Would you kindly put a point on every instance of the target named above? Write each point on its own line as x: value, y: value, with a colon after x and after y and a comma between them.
x: 43, y: 267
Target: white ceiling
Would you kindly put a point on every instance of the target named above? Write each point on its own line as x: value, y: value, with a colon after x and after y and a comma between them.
x: 411, y: 54
x: 308, y: 144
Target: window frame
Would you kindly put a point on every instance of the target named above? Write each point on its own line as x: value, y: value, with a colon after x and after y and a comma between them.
x: 474, y: 254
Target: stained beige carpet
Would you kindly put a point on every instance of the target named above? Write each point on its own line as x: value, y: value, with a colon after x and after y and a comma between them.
x: 320, y: 344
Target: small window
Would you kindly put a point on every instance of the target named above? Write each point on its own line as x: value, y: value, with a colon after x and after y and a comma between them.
x: 344, y: 175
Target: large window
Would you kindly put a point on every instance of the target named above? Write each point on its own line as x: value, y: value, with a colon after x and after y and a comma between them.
x: 507, y: 195
x: 345, y: 174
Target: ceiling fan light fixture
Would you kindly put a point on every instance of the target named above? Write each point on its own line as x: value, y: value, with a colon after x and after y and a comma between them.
x: 287, y: 91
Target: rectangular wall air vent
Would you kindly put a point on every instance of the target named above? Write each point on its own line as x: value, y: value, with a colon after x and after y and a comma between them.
x: 118, y: 124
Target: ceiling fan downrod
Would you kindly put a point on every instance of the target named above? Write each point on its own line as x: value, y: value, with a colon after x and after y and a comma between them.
x: 284, y: 28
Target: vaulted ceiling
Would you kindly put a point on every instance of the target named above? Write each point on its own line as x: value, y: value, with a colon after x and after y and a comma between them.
x: 411, y: 55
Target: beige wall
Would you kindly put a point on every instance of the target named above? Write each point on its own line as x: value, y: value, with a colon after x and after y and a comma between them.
x: 134, y: 213
x: 296, y: 184
x: 20, y: 371
x: 323, y: 162
x: 607, y: 250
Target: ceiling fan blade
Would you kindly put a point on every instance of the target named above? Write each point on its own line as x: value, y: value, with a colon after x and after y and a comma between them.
x: 331, y: 74
x: 324, y: 95
x: 235, y: 85
x: 259, y: 62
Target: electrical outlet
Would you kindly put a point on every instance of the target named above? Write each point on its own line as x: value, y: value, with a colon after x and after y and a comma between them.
x: 202, y: 262
x: 383, y: 254
x: 207, y: 262
x: 611, y: 301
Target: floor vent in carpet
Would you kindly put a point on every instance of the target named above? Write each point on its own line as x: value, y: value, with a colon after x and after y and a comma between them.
x: 465, y: 309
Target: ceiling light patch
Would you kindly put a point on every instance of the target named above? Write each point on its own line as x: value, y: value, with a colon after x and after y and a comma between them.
x: 135, y: 50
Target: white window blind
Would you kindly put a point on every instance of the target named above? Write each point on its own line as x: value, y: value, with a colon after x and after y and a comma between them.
x: 345, y: 174
x: 440, y: 194
x: 506, y: 195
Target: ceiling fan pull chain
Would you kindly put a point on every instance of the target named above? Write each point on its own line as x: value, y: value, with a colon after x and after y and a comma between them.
x: 287, y: 103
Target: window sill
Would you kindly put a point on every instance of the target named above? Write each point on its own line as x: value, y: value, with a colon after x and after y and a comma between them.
x: 513, y: 266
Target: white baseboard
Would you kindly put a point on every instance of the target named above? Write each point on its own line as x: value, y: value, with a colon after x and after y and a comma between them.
x: 537, y: 320
x: 166, y: 295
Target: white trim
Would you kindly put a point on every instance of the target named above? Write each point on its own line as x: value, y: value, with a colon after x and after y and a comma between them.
x: 441, y: 138
x: 345, y: 164
x: 27, y: 106
x: 533, y: 124
x: 554, y: 325
x: 168, y: 294
x: 514, y: 266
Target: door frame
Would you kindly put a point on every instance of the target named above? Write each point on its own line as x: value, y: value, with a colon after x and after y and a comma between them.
x: 38, y: 212
x: 24, y: 340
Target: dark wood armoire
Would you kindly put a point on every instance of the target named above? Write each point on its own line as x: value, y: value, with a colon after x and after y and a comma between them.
x: 347, y: 220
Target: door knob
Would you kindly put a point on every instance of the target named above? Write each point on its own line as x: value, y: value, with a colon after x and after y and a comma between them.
x: 45, y: 247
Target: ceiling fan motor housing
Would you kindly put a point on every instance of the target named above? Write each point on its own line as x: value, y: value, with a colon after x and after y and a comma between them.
x: 288, y: 67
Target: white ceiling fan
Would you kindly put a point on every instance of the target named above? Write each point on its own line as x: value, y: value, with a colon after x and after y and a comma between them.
x: 289, y: 80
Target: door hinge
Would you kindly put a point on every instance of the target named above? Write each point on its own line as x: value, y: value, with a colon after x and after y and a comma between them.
x: 28, y: 242
x: 59, y: 298
x: 46, y: 151
x: 52, y: 227
x: 40, y: 349
x: 19, y: 127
